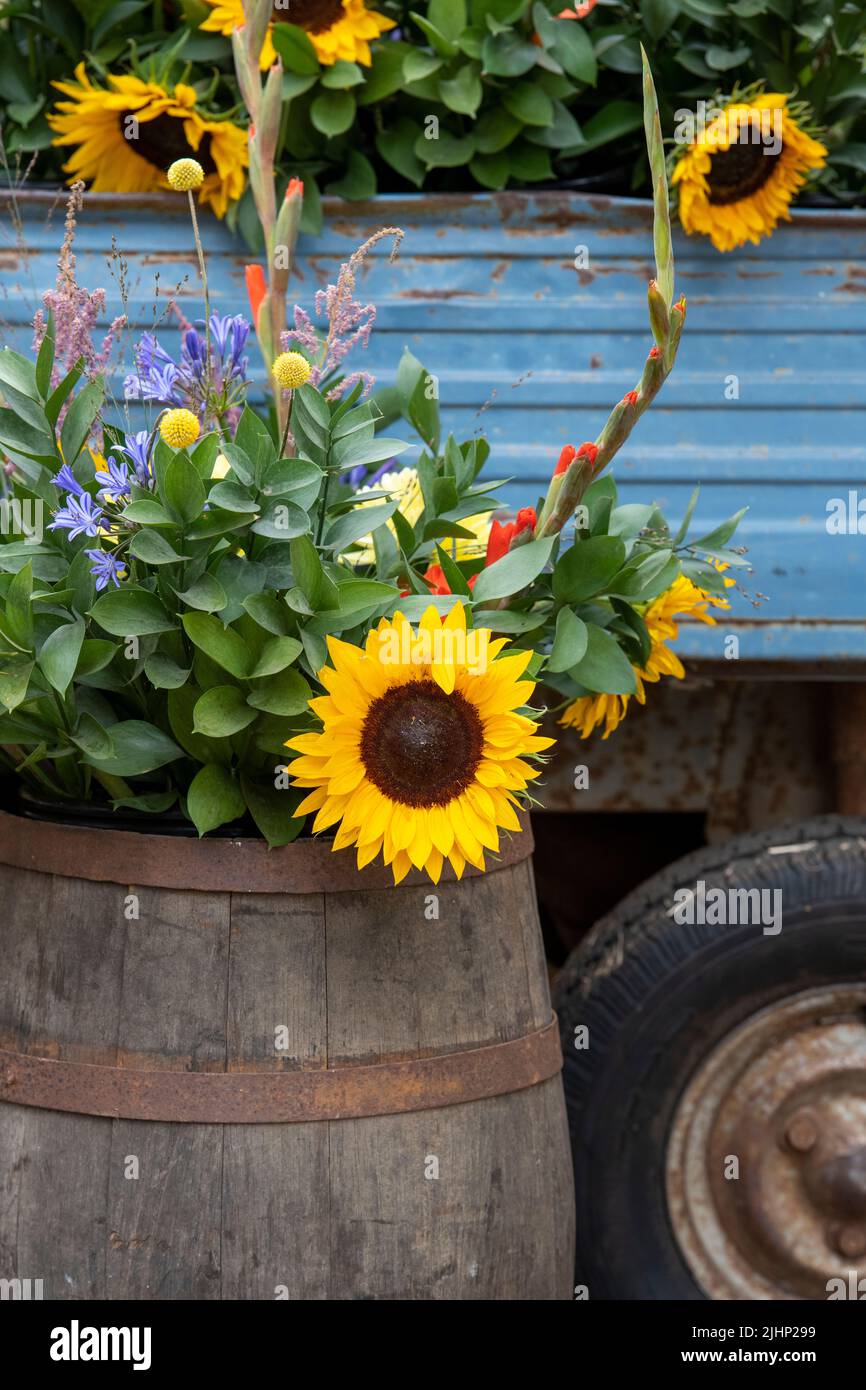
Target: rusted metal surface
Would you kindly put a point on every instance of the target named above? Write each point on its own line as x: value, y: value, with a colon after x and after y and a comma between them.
x: 848, y: 704
x: 211, y: 866
x: 747, y: 755
x: 766, y: 1164
x: 295, y: 1097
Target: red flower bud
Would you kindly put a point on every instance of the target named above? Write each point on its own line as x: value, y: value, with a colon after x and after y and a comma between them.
x: 565, y: 459
x: 295, y: 188
x: 256, y: 289
x: 588, y: 451
x: 434, y: 575
x: 630, y: 398
x: 654, y: 352
x: 498, y: 541
x: 526, y: 520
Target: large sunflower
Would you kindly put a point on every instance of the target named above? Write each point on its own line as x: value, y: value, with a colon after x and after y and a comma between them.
x: 421, y: 749
x: 337, y: 29
x: 682, y: 600
x: 127, y: 135
x: 734, y: 184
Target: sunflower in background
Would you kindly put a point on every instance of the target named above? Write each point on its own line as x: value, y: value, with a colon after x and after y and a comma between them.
x: 126, y: 135
x: 682, y: 600
x: 737, y: 179
x: 337, y: 29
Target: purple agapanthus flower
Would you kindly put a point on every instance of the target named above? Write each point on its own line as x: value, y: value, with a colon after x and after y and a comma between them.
x: 212, y: 388
x: 115, y: 481
x: 66, y: 481
x: 80, y: 516
x: 136, y: 447
x: 106, y: 569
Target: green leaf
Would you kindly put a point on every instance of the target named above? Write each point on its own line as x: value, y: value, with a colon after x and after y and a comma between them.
x: 269, y: 613
x: 295, y: 49
x: 14, y: 681
x: 358, y: 180
x: 45, y: 360
x: 59, y: 655
x: 80, y: 419
x: 572, y: 48
x: 396, y: 146
x: 275, y: 656
x: 720, y: 536
x: 529, y: 162
x: 154, y: 549
x: 358, y: 523
x: 332, y: 113
x: 232, y: 498
x: 183, y: 489
x: 163, y: 673
x: 154, y: 803
x: 131, y: 612
x: 317, y: 588
x: 282, y: 520
x: 286, y: 693
x: 273, y: 810
x: 441, y: 42
x: 528, y: 103
x: 570, y: 642
x: 145, y: 511
x: 604, y: 667
x: 587, y: 567
x: 206, y: 594
x: 462, y: 92
x: 95, y: 655
x: 227, y: 648
x: 659, y: 15
x: 449, y: 16
x: 92, y: 738
x: 221, y: 712
x: 491, y: 170
x: 214, y: 797
x: 514, y: 571
x: 385, y: 75
x: 139, y: 747
x: 495, y: 129
x: 613, y: 122
x: 508, y: 55
x: 342, y: 74
x: 723, y: 59
x: 59, y: 395
x: 19, y: 609
x: 447, y: 151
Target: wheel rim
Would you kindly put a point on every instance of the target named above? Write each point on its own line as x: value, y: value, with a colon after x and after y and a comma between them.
x: 766, y: 1161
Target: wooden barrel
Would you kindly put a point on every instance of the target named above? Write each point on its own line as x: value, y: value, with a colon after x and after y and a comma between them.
x: 234, y: 1074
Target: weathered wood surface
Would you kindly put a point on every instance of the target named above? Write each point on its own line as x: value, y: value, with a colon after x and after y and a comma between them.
x: 335, y: 1209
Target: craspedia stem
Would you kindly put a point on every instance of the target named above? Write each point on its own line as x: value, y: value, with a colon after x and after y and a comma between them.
x: 203, y: 272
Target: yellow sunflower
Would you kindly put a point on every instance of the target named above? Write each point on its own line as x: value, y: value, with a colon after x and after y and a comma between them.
x: 337, y: 29
x: 128, y: 133
x: 737, y: 180
x: 422, y: 746
x: 682, y: 600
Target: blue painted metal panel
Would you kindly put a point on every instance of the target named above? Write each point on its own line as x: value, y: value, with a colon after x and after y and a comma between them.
x: 486, y: 292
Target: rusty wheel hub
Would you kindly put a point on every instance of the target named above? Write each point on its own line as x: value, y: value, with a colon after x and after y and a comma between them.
x: 766, y: 1163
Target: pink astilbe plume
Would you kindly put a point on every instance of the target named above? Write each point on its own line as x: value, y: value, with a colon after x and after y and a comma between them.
x: 349, y: 322
x: 75, y: 310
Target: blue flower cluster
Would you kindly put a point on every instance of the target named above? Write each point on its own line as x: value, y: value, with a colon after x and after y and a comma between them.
x: 210, y: 389
x: 84, y: 515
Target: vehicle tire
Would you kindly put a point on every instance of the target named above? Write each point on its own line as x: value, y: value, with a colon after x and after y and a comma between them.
x: 665, y: 1003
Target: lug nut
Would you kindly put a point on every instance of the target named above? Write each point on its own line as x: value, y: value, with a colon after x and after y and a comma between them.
x: 851, y: 1241
x: 802, y: 1133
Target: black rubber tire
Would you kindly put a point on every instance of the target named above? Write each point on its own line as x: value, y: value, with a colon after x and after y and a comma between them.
x: 657, y: 997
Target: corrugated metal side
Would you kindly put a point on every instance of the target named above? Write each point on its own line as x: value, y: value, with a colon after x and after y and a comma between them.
x: 767, y: 405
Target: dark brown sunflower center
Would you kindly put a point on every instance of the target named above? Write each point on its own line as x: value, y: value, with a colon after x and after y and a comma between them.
x: 313, y: 15
x: 162, y: 141
x: 740, y: 171
x: 420, y: 746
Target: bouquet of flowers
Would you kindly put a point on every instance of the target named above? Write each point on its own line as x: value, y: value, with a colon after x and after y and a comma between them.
x: 274, y: 623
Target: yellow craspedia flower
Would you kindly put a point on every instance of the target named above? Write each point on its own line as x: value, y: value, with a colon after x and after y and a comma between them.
x: 422, y: 746
x: 682, y: 600
x: 737, y: 179
x: 179, y: 428
x: 291, y: 370
x: 337, y: 29
x: 185, y: 174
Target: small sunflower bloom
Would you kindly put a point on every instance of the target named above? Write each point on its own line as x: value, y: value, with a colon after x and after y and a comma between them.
x: 185, y: 175
x: 291, y: 370
x: 179, y: 428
